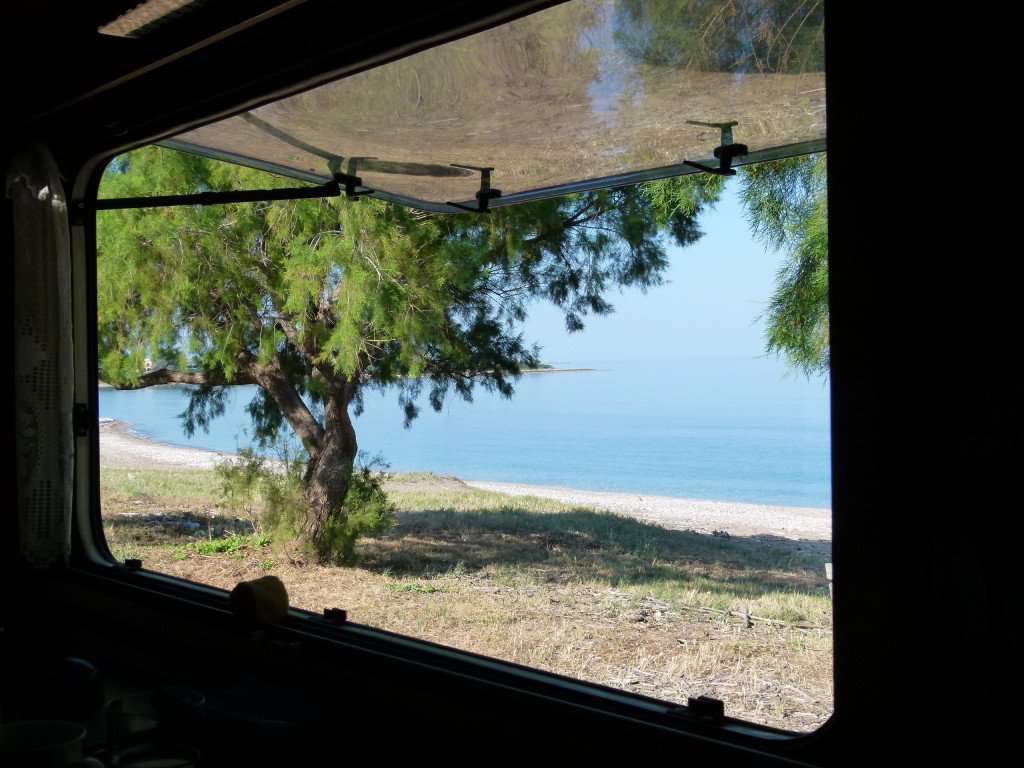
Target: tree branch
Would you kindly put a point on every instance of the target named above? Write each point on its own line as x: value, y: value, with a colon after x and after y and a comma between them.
x: 585, y: 214
x: 204, y: 378
x: 280, y: 387
x: 306, y: 346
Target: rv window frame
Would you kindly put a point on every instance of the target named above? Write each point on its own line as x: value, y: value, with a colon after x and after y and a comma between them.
x: 93, y: 557
x: 94, y: 565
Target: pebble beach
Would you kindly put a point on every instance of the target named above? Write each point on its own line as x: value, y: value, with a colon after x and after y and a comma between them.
x: 121, y: 449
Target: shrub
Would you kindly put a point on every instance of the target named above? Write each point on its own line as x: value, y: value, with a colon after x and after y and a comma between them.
x: 271, y: 495
x: 367, y: 510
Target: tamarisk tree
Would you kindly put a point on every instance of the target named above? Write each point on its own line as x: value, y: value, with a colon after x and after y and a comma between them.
x: 315, y: 301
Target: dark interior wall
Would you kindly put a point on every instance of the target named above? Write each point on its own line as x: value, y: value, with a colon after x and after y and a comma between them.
x: 927, y: 414
x: 93, y: 94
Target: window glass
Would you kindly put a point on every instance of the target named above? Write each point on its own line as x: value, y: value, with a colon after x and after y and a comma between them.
x: 347, y: 395
x: 582, y: 91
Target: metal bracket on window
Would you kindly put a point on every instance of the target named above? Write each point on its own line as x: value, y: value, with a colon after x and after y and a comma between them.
x: 350, y: 180
x: 80, y: 419
x: 485, y: 195
x: 336, y: 615
x: 725, y: 153
x: 706, y: 708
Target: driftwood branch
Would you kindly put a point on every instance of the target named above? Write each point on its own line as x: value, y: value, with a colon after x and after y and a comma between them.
x: 748, y: 617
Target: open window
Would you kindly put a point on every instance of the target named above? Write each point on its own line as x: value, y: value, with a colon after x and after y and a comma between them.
x: 556, y: 160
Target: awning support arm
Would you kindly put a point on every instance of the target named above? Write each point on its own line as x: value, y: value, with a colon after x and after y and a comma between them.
x: 485, y: 195
x: 349, y: 180
x: 725, y: 153
x: 330, y: 189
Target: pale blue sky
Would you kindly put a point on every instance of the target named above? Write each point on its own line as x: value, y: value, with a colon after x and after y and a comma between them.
x: 714, y: 292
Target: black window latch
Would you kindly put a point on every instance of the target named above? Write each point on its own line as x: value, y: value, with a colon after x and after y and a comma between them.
x: 80, y: 420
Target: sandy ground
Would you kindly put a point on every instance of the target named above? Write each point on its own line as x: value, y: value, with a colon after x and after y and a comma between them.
x: 120, y: 449
x: 699, y: 515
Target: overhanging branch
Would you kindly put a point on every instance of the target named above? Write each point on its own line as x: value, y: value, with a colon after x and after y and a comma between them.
x: 202, y: 378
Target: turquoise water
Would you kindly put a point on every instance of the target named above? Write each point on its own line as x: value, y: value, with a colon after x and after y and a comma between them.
x: 731, y: 430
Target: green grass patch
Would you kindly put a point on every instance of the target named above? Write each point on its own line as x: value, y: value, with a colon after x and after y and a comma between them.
x: 229, y: 545
x: 182, y: 485
x: 414, y: 587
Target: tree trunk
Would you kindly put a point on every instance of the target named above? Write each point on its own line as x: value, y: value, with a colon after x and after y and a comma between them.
x: 332, y: 452
x: 329, y: 474
x: 331, y: 447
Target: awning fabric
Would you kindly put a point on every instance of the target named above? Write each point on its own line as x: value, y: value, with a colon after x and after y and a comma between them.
x: 580, y: 95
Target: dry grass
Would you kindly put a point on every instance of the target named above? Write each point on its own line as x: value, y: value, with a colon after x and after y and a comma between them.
x: 586, y: 594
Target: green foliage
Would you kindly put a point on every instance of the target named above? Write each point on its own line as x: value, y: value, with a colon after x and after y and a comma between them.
x: 229, y: 545
x: 240, y: 481
x: 273, y: 494
x: 371, y: 291
x: 677, y: 203
x: 414, y: 587
x: 367, y: 510
x: 232, y: 545
x: 316, y: 300
x: 787, y: 205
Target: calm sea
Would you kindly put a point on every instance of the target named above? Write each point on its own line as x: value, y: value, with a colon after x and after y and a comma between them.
x: 731, y: 430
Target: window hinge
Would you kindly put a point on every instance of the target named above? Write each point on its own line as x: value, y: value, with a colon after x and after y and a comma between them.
x: 706, y: 708
x: 80, y: 419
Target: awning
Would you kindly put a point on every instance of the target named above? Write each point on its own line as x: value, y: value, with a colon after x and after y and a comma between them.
x: 586, y: 94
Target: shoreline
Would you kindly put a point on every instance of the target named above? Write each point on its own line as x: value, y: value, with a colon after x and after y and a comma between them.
x: 120, y: 449
x: 702, y: 515
x: 553, y: 369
